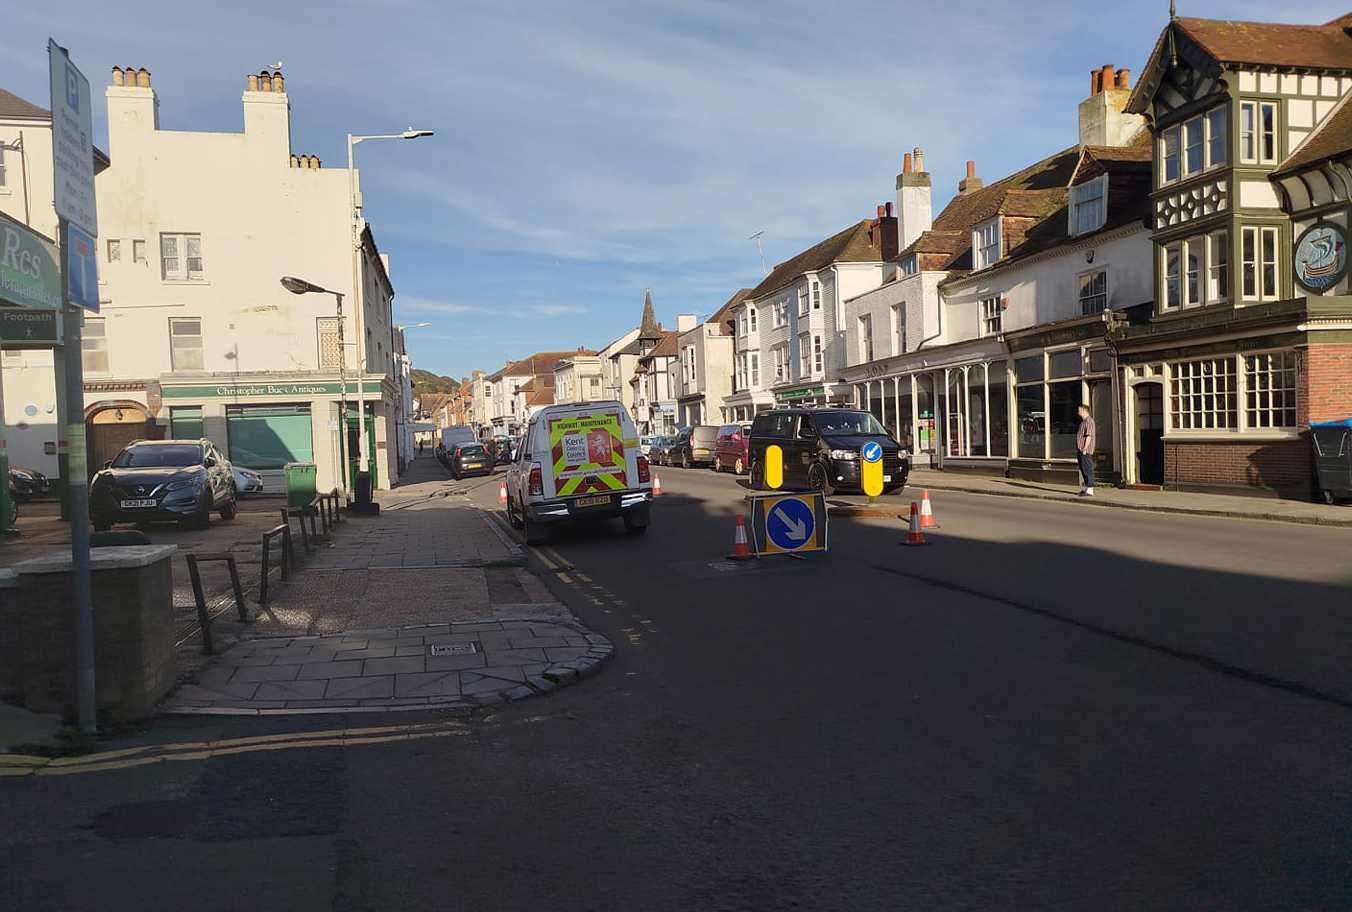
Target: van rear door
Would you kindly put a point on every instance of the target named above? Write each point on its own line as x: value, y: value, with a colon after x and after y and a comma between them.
x: 592, y: 451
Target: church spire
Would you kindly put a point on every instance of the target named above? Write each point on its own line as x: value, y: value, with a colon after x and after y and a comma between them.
x: 648, y: 327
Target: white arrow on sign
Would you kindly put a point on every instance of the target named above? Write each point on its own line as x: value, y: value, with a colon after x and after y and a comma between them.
x: 797, y: 529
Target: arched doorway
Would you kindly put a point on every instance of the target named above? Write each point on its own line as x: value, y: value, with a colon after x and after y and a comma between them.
x: 1148, y: 432
x: 111, y: 425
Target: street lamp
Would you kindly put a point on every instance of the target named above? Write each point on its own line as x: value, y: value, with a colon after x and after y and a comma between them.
x: 364, y: 481
x: 300, y: 287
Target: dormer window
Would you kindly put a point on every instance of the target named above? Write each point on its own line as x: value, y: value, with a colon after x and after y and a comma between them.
x: 986, y: 242
x: 1089, y: 205
x: 909, y: 266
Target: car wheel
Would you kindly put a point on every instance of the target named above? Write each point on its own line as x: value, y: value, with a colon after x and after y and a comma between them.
x: 229, y: 508
x: 535, y: 533
x: 1328, y: 497
x: 685, y: 460
x: 818, y: 480
x: 739, y: 467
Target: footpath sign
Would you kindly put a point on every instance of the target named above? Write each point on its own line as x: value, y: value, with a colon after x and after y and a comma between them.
x: 30, y: 270
x: 72, y: 141
x: 29, y: 328
x: 789, y: 523
x: 871, y: 468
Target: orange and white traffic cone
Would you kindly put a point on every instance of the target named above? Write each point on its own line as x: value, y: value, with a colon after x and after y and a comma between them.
x: 915, y: 536
x: 740, y: 550
x: 502, y: 492
x: 927, y: 520
x: 657, y: 485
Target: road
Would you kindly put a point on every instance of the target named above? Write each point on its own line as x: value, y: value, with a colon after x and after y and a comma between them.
x: 1051, y: 706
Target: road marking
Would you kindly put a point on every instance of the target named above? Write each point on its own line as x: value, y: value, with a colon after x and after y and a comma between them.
x: 545, y: 558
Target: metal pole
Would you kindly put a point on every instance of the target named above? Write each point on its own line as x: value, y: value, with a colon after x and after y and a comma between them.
x: 342, y: 399
x: 77, y: 484
x: 357, y: 307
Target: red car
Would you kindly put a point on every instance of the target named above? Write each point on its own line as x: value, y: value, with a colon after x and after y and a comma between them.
x: 730, y: 450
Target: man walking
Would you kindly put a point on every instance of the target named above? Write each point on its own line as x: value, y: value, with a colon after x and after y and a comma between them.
x: 1084, y: 451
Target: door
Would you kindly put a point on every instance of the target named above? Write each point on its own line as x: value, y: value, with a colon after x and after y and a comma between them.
x: 354, y: 448
x: 1149, y: 433
x: 800, y: 453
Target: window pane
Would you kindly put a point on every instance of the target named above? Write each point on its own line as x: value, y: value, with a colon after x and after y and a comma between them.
x: 976, y: 410
x: 1194, y: 248
x: 998, y: 391
x: 1100, y: 361
x: 1269, y: 262
x: 1269, y: 114
x: 1028, y: 369
x: 1171, y: 154
x: 1193, y: 145
x: 1246, y: 131
x: 1032, y: 421
x: 1249, y: 251
x: 186, y: 423
x: 1217, y: 146
x: 1066, y: 364
x: 956, y: 426
x: 1064, y: 420
x: 1171, y: 266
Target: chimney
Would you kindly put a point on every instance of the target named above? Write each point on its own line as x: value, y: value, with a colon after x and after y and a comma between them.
x: 971, y: 183
x: 1103, y: 118
x: 267, y: 121
x: 882, y: 234
x: 133, y: 109
x: 685, y: 322
x: 915, y: 208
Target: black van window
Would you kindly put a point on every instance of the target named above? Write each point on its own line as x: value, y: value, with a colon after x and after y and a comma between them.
x: 761, y: 426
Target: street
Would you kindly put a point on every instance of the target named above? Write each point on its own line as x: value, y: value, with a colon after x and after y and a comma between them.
x: 1051, y: 706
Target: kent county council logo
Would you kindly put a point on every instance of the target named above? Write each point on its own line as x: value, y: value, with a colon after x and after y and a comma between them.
x: 1321, y: 257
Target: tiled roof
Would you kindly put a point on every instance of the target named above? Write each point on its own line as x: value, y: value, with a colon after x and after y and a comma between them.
x: 849, y: 246
x: 541, y: 397
x: 939, y: 241
x: 541, y: 362
x: 12, y: 107
x: 667, y: 347
x: 1272, y: 44
x: 1332, y: 137
x: 724, y: 313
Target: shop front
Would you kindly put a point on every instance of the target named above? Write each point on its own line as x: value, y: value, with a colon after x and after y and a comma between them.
x: 265, y: 424
x: 744, y: 405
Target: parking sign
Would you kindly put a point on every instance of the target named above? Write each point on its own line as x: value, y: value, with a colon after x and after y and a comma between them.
x: 72, y: 141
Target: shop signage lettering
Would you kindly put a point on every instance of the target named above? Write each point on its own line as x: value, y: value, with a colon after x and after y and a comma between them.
x: 32, y: 326
x: 29, y: 272
x: 802, y: 393
x: 256, y: 390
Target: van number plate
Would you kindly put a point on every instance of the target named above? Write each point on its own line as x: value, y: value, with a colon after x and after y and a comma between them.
x: 600, y: 501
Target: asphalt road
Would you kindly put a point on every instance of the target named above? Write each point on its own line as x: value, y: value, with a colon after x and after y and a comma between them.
x: 1052, y: 706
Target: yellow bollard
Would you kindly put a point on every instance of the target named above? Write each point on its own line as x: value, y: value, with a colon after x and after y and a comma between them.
x: 774, y: 467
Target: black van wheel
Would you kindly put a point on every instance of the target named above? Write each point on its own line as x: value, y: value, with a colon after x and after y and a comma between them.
x: 818, y: 480
x: 757, y: 476
x: 1328, y: 497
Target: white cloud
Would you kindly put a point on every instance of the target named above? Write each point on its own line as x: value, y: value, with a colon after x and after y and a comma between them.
x: 432, y: 306
x: 553, y: 310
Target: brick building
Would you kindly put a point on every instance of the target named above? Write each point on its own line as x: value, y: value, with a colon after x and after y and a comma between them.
x: 1251, y: 335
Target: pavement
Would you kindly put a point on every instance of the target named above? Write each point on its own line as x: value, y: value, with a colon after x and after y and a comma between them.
x: 1158, y: 501
x: 1051, y: 706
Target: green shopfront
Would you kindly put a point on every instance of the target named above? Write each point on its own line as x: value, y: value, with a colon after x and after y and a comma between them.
x: 265, y: 424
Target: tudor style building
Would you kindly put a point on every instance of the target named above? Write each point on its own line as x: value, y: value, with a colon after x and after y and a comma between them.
x: 1251, y: 334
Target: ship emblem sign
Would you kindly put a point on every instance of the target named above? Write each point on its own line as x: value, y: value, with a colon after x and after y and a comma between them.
x: 1321, y: 257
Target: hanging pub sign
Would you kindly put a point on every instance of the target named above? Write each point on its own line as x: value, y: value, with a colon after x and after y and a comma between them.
x: 1320, y: 260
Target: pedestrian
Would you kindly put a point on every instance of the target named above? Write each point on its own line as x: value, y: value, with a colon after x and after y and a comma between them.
x: 1084, y: 451
x: 421, y: 445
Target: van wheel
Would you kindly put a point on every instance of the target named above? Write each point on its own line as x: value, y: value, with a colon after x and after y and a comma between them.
x: 738, y: 468
x: 757, y: 476
x: 513, y: 519
x: 535, y: 533
x: 1328, y: 497
x: 685, y: 460
x: 818, y: 480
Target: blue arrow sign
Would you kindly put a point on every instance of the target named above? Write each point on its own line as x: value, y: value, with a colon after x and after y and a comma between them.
x: 791, y: 524
x: 871, y: 451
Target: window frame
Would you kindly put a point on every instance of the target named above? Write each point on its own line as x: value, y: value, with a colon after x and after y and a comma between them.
x: 983, y: 245
x: 1249, y: 393
x: 1258, y: 136
x: 818, y: 356
x: 803, y: 299
x: 805, y: 354
x: 1091, y: 274
x: 112, y: 248
x: 816, y: 294
x: 1099, y: 184
x: 1258, y: 266
x: 86, y: 349
x: 4, y: 171
x: 182, y: 272
x: 200, y: 348
x: 866, y: 349
x: 990, y: 316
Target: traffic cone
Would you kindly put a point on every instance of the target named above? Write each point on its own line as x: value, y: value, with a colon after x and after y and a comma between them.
x: 915, y: 536
x: 740, y: 549
x: 927, y: 520
x: 657, y: 485
x: 502, y: 492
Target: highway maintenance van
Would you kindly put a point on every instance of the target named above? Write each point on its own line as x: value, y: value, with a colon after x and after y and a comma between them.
x: 579, y: 462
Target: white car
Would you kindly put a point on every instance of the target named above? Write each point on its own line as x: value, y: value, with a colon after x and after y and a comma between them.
x: 579, y: 462
x: 247, y: 481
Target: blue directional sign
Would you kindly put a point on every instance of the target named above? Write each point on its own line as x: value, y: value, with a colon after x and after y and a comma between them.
x: 871, y: 451
x: 789, y: 523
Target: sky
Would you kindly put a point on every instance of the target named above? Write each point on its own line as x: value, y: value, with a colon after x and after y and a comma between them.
x: 586, y: 151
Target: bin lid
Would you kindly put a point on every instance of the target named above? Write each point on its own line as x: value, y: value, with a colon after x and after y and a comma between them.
x: 1341, y: 422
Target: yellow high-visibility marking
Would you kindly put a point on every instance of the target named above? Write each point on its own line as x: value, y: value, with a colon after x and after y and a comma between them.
x: 871, y: 474
x: 774, y: 467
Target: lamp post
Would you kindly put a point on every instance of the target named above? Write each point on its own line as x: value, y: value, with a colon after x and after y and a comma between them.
x: 364, y: 481
x: 300, y: 287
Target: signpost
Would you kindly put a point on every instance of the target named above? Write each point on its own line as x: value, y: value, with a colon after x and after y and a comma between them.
x: 871, y: 469
x: 73, y: 194
x: 789, y: 523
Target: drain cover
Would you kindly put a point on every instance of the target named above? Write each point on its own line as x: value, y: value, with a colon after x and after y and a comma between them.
x: 453, y: 649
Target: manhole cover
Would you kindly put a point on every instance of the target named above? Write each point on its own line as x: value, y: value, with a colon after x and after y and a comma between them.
x: 454, y: 649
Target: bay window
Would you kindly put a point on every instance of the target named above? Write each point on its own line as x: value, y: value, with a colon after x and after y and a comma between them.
x: 1259, y: 263
x: 1258, y: 132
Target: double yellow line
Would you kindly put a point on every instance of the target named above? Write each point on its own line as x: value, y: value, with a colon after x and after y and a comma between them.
x: 18, y: 765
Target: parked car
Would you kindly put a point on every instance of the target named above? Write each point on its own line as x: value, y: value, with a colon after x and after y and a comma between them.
x: 645, y: 444
x: 579, y: 462
x: 657, y: 450
x: 730, y: 450
x: 247, y: 481
x: 158, y: 480
x: 821, y: 448
x: 449, y: 437
x: 25, y: 484
x: 470, y: 459
x: 693, y: 446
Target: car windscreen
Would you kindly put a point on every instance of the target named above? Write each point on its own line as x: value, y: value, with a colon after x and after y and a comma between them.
x: 157, y: 456
x: 842, y: 424
x: 471, y: 451
x: 705, y: 435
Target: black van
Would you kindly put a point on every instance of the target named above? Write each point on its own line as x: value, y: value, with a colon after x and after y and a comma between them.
x: 821, y: 448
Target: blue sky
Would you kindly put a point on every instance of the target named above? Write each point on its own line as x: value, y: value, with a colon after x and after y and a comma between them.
x: 587, y: 150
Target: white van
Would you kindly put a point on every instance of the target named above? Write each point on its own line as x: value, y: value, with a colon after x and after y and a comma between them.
x: 579, y: 462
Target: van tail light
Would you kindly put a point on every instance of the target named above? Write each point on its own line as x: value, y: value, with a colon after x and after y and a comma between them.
x: 645, y: 473
x: 536, y: 485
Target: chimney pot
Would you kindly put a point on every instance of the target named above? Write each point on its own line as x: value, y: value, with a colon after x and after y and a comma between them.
x: 906, y: 163
x: 143, y: 78
x: 887, y: 210
x: 278, y: 83
x: 918, y: 158
x: 251, y: 82
x: 971, y: 168
x: 1107, y: 79
x: 880, y: 211
x: 117, y: 76
x: 294, y: 161
x: 264, y: 82
x: 1095, y: 82
x: 1124, y: 78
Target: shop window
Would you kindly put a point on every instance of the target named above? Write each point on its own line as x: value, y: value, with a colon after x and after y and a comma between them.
x: 1032, y: 416
x: 956, y: 426
x: 1101, y: 407
x: 924, y: 408
x: 94, y: 346
x: 1270, y: 390
x: 269, y: 436
x: 1028, y: 370
x: 1100, y: 361
x: 1065, y: 364
x: 185, y: 423
x: 1202, y: 395
x: 976, y: 410
x: 905, y: 414
x: 185, y: 344
x: 997, y: 392
x: 1062, y: 419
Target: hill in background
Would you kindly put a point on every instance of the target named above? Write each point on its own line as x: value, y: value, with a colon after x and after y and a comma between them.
x: 426, y: 382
